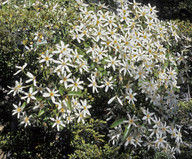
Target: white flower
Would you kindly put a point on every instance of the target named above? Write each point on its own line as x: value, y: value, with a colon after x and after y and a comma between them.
x: 65, y: 78
x: 32, y: 78
x: 61, y: 104
x: 157, y: 122
x: 154, y: 131
x: 140, y: 74
x: 148, y: 116
x: 126, y: 68
x: 25, y: 119
x: 76, y: 84
x: 17, y: 89
x: 112, y: 62
x: 63, y: 65
x: 115, y: 135
x: 81, y: 3
x: 99, y: 34
x: 57, y: 122
x: 110, y: 21
x: 52, y: 94
x: 29, y: 95
x: 138, y: 140
x: 131, y: 121
x: 171, y: 74
x: 21, y: 68
x: 85, y: 108
x: 75, y: 104
x: 46, y: 58
x: 179, y: 136
x: 40, y: 105
x: 93, y: 84
x: 76, y: 55
x: 69, y: 118
x: 18, y: 109
x: 63, y: 50
x: 38, y: 37
x: 128, y: 86
x: 113, y: 98
x: 160, y: 141
x: 77, y: 36
x: 130, y: 140
x: 130, y: 96
x: 97, y: 22
x: 82, y: 66
x: 108, y: 83
x: 164, y: 128
x: 40, y: 88
x: 87, y: 14
x: 80, y: 116
x: 101, y: 52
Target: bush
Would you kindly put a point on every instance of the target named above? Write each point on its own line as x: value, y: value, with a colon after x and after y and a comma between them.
x: 85, y: 61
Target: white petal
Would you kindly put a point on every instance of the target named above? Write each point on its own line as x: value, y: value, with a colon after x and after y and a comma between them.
x: 111, y: 100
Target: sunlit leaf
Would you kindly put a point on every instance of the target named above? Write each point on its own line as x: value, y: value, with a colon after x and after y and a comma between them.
x: 117, y: 122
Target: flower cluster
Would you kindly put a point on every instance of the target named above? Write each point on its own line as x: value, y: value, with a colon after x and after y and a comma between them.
x: 119, y: 55
x: 148, y: 131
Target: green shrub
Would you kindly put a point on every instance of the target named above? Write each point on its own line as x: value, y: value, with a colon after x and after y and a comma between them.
x: 131, y: 80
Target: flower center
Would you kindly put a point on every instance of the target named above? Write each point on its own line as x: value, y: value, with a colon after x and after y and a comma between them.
x: 18, y: 109
x: 75, y: 84
x: 26, y: 119
x: 58, y: 121
x: 29, y: 95
x: 80, y: 115
x: 62, y: 110
x: 51, y: 94
x: 148, y: 116
x: 46, y: 58
x: 131, y: 121
x: 131, y: 96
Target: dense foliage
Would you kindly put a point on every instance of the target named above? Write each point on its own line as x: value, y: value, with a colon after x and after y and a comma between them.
x: 76, y: 63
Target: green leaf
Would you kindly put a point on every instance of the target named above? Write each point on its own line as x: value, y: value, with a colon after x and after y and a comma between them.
x: 69, y: 105
x: 117, y: 122
x: 126, y: 132
x: 23, y: 105
x: 54, y: 39
x: 185, y: 50
x: 31, y: 2
x: 61, y: 90
x: 49, y: 103
x: 86, y: 45
x: 100, y: 68
x: 41, y: 112
x: 4, y: 7
x: 39, y: 98
x: 165, y: 64
x: 47, y: 73
x: 73, y: 93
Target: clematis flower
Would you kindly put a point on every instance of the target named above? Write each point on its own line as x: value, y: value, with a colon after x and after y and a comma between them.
x: 57, y: 122
x: 52, y: 94
x: 30, y: 95
x: 76, y: 84
x: 18, y: 110
x: 21, y: 68
x: 46, y: 58
x: 32, y: 78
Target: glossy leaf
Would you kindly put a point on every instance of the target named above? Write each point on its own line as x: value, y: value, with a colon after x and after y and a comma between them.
x: 117, y: 122
x: 73, y: 93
